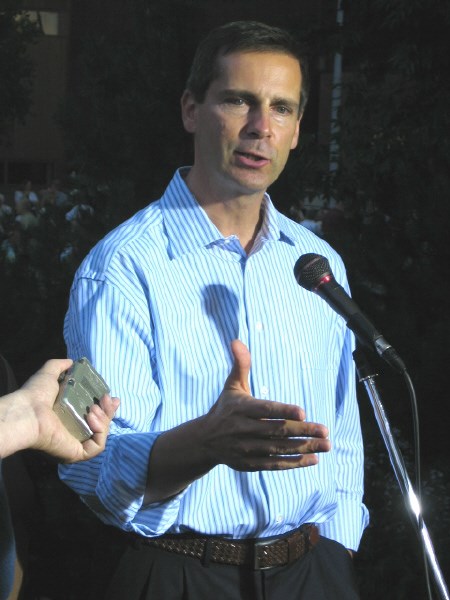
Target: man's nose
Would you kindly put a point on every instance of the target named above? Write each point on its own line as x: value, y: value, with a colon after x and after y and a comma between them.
x: 259, y: 124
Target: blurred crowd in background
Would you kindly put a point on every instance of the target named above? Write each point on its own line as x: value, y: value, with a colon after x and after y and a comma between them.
x: 25, y: 216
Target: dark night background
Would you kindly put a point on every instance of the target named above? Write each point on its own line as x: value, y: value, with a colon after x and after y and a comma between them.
x: 123, y: 138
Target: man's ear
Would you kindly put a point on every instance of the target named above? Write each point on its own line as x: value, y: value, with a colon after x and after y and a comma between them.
x: 189, y: 111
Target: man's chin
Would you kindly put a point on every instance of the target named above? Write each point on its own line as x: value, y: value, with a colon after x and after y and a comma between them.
x: 250, y: 184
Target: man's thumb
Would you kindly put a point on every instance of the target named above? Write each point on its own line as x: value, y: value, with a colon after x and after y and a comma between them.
x: 238, y: 377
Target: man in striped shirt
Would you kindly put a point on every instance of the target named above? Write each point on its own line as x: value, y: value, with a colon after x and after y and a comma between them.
x: 238, y: 438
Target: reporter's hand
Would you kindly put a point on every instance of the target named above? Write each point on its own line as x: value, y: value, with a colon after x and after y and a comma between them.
x: 47, y: 433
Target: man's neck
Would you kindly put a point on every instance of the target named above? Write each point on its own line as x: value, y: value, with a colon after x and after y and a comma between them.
x: 235, y: 215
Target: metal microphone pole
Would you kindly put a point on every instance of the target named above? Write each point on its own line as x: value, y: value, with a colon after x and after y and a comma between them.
x: 367, y: 377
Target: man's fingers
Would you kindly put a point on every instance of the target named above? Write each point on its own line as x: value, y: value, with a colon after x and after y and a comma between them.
x: 296, y: 446
x: 280, y: 447
x: 275, y: 463
x: 286, y: 428
x: 238, y: 377
x: 254, y: 408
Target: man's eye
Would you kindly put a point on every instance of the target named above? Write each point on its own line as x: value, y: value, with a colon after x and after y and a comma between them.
x: 235, y: 101
x: 283, y: 110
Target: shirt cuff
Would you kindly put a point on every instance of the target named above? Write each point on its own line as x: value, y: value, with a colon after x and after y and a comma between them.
x: 123, y: 476
x: 122, y: 484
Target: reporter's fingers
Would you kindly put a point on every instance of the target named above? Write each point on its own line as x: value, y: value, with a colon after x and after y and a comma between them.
x: 45, y: 380
x: 100, y: 415
x: 56, y: 366
x: 109, y: 405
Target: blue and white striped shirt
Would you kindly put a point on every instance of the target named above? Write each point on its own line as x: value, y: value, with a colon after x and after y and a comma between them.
x: 155, y: 306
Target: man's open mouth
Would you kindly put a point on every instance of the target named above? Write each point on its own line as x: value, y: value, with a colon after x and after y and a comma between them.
x: 250, y: 156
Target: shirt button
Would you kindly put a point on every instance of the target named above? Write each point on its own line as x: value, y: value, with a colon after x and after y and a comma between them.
x: 264, y: 391
x: 259, y: 326
x: 279, y: 518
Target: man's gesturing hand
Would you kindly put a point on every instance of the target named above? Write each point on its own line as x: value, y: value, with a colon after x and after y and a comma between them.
x: 239, y: 431
x: 248, y: 434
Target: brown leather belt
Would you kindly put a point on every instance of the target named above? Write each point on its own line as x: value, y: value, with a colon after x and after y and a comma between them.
x: 259, y: 554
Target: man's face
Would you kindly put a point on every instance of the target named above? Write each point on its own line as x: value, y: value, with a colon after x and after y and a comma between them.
x: 247, y: 124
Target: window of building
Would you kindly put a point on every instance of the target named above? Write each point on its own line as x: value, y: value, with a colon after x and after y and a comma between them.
x: 48, y: 21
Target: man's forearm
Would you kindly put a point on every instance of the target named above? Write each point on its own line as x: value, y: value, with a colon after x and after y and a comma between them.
x: 176, y: 460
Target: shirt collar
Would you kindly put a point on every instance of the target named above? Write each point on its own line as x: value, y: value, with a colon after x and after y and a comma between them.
x: 189, y: 228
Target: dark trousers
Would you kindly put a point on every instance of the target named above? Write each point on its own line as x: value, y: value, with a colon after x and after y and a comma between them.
x: 144, y: 573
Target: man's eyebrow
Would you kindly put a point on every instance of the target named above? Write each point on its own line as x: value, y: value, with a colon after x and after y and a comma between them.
x: 244, y: 94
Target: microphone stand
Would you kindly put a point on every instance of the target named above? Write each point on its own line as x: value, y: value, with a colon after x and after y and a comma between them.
x: 367, y: 377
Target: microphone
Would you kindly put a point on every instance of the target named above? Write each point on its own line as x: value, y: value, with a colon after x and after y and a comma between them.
x: 313, y: 273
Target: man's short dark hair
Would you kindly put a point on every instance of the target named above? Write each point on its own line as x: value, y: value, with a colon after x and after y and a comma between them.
x: 241, y: 36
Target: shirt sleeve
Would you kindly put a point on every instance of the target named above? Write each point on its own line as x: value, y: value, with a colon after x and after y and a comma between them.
x: 351, y: 516
x: 114, y: 332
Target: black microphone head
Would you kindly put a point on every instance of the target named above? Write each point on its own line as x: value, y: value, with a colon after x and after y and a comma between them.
x: 310, y: 269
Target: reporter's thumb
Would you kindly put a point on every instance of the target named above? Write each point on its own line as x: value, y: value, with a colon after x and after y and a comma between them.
x: 238, y: 377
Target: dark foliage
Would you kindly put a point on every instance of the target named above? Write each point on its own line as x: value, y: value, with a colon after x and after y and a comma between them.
x: 16, y: 68
x: 395, y: 179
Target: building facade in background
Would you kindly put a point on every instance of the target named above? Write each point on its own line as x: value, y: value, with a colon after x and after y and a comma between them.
x: 35, y: 149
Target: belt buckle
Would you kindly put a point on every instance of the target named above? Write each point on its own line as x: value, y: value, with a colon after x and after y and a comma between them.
x: 257, y: 559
